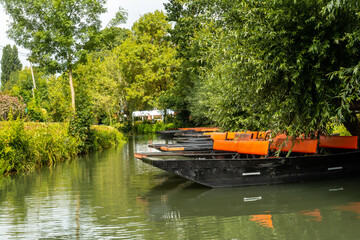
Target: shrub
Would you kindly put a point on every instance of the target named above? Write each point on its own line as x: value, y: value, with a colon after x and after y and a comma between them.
x: 105, y: 137
x: 14, y: 148
x: 11, y: 105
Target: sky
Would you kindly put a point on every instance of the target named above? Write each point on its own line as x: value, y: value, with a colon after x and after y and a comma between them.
x: 135, y: 9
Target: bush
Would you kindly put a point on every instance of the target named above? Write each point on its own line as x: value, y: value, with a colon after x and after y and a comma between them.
x: 11, y: 105
x: 105, y: 137
x: 14, y: 148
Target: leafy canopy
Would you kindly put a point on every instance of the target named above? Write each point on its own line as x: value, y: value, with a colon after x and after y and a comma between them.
x: 53, y: 30
x: 284, y: 65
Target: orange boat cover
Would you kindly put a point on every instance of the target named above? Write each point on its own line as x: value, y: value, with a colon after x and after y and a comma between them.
x: 225, y: 145
x: 254, y: 147
x: 297, y: 145
x: 345, y: 142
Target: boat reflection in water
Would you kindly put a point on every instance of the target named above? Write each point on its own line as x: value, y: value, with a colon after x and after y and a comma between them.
x: 175, y: 199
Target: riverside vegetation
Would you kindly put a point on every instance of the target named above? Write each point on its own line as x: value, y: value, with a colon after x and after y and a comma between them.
x: 26, y: 146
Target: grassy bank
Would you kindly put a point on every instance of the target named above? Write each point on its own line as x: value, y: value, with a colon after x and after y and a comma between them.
x: 29, y: 145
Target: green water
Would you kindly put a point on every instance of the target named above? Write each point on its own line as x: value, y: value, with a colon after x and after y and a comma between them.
x: 112, y: 195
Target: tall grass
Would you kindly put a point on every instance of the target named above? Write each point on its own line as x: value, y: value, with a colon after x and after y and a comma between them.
x: 25, y: 146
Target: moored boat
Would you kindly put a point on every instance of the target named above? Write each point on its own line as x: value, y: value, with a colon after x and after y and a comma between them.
x: 256, y: 164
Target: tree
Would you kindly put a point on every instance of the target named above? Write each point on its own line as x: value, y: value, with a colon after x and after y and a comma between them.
x: 107, y: 39
x: 102, y: 75
x: 54, y: 31
x: 9, y: 63
x: 135, y: 74
x: 112, y: 36
x: 188, y: 17
x: 286, y: 65
x: 147, y: 63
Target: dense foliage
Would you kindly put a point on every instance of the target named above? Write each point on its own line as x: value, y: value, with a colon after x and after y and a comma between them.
x: 134, y: 74
x: 25, y: 146
x: 284, y: 65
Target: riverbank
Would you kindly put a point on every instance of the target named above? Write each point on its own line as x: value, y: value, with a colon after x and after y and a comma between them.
x: 25, y: 146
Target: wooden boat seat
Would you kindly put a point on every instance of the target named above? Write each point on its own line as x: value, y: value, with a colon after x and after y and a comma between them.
x: 218, y: 136
x: 171, y: 149
x: 225, y: 145
x: 297, y: 145
x: 253, y: 147
x: 343, y: 142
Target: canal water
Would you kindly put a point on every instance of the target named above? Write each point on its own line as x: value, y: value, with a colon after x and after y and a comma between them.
x: 111, y: 195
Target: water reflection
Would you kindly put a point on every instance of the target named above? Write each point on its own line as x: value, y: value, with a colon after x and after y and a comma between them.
x: 283, y: 209
x: 304, y: 198
x: 112, y: 195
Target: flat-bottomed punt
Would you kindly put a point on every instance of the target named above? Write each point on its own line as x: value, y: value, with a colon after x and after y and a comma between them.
x: 254, y: 164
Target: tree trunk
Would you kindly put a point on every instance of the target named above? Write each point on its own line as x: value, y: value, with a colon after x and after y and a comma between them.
x: 33, y: 78
x: 352, y: 124
x: 72, y: 91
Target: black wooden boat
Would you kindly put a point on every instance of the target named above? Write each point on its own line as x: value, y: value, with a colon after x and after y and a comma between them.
x: 192, y: 145
x: 310, y: 160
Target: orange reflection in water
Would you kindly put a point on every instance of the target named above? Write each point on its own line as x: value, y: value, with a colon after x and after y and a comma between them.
x: 314, y: 213
x: 264, y: 220
x: 351, y: 207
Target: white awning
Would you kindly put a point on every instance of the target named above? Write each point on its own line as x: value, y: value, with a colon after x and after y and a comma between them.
x: 152, y: 113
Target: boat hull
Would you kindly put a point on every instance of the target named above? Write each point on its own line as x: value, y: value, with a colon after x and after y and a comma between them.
x: 259, y: 171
